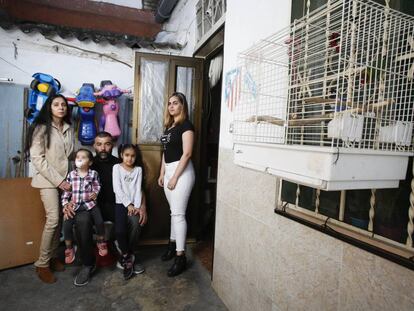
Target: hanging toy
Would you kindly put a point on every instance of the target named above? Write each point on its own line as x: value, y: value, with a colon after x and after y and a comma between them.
x: 41, y: 87
x: 86, y: 103
x: 109, y: 121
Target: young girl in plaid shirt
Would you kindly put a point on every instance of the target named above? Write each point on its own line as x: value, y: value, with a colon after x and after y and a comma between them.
x: 85, y: 187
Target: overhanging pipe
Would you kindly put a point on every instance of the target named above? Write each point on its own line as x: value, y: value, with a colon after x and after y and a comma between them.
x: 164, y: 10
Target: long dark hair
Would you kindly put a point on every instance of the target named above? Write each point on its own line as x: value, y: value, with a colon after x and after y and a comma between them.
x: 138, y: 156
x: 45, y: 118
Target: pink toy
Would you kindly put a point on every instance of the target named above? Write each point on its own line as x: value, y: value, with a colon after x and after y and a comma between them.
x: 110, y: 124
x: 109, y: 121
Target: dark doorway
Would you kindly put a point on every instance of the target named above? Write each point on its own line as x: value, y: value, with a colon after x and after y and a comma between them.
x: 210, y: 125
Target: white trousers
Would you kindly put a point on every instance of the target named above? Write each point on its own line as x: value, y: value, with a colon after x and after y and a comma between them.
x: 178, y: 199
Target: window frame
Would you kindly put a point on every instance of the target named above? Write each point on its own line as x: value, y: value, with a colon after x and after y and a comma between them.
x: 400, y: 253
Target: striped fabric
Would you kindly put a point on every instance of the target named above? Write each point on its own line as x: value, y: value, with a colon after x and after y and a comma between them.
x: 232, y: 88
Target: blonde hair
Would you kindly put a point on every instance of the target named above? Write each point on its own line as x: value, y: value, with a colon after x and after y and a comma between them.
x: 169, y: 119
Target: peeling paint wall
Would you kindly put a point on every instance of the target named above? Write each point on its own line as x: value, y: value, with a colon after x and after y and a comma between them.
x: 71, y: 61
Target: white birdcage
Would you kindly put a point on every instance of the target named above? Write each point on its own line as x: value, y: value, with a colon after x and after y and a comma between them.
x: 329, y: 100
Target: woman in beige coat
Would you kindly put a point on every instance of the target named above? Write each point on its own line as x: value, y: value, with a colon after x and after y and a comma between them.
x: 50, y: 143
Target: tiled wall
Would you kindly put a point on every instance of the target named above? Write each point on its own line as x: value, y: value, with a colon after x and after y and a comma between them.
x: 263, y: 261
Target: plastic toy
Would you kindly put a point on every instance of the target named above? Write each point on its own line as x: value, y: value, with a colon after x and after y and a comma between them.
x: 86, y: 103
x: 42, y: 86
x: 86, y: 97
x: 109, y: 121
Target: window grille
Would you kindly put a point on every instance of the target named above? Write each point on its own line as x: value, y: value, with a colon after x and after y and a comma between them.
x: 208, y: 14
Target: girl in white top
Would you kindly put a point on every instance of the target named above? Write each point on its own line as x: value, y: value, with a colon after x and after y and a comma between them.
x: 127, y: 183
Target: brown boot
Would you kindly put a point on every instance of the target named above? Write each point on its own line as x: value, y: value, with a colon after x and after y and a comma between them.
x: 56, y: 265
x: 45, y: 275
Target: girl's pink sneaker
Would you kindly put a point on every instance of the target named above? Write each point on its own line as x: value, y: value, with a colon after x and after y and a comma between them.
x: 69, y: 255
x: 102, y: 248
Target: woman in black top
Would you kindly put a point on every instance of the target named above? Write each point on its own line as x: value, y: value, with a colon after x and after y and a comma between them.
x: 177, y: 175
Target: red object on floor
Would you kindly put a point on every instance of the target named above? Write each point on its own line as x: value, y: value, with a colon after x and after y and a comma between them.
x: 105, y: 261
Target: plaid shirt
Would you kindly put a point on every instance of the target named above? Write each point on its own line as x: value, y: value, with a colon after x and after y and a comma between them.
x: 82, y: 188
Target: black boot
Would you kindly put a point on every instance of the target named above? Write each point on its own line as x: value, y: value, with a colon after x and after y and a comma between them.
x: 179, y: 266
x: 170, y: 253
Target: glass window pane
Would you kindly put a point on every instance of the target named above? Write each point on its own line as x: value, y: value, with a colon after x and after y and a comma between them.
x: 185, y: 85
x: 152, y: 99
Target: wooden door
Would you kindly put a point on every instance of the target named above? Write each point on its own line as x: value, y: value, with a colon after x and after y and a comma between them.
x: 156, y: 77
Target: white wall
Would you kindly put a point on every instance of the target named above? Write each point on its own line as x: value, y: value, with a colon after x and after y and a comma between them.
x: 22, y: 54
x: 246, y: 23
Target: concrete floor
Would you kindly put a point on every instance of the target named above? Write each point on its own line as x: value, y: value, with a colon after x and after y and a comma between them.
x: 20, y: 289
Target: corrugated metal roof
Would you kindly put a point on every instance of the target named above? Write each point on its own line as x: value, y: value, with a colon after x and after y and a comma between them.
x: 84, y: 20
x: 80, y: 34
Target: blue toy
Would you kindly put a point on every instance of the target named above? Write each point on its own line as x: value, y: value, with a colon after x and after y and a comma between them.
x: 87, y: 127
x: 86, y: 97
x: 86, y: 103
x: 42, y: 86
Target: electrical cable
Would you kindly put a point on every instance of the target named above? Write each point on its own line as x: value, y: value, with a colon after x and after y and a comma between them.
x: 89, y: 51
x: 325, y: 224
x: 11, y: 64
x: 284, y: 206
